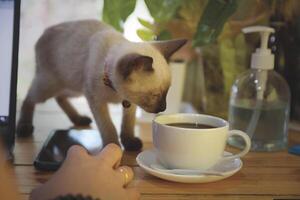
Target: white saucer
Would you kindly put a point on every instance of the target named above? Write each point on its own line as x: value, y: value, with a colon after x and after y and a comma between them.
x: 228, y: 168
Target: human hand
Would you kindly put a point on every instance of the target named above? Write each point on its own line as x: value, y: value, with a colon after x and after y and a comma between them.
x: 98, y: 176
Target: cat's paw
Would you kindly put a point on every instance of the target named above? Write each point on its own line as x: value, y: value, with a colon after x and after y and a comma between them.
x: 132, y: 143
x: 82, y: 121
x: 24, y: 130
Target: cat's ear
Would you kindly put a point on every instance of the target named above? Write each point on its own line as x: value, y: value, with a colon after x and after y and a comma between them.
x: 132, y: 62
x: 168, y: 47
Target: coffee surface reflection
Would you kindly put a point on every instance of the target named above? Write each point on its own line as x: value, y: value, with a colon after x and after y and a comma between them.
x: 191, y: 125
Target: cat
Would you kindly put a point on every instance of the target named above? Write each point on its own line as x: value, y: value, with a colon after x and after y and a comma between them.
x: 90, y: 58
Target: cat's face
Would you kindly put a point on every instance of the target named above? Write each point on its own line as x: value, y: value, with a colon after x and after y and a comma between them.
x: 144, y: 78
x: 147, y: 85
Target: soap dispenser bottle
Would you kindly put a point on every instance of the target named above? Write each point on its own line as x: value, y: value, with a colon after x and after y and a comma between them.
x: 260, y: 100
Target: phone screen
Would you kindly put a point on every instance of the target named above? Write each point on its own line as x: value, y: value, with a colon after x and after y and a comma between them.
x: 6, y: 54
x: 9, y: 39
x: 58, y: 142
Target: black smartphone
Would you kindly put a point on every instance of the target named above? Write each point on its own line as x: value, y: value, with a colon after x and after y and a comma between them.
x: 58, y: 142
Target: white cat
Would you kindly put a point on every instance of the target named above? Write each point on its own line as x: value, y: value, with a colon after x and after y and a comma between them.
x: 91, y: 58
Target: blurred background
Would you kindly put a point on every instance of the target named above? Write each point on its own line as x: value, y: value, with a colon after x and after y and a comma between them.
x: 216, y: 54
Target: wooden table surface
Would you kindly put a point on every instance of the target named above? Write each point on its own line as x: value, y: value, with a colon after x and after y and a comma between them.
x: 263, y: 176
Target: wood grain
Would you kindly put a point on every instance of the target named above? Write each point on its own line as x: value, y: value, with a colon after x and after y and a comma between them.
x: 206, y: 197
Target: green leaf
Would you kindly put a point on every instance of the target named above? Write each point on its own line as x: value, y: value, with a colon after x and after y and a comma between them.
x: 146, y: 24
x: 215, y: 15
x: 145, y: 34
x: 164, y: 35
x: 115, y: 12
x: 163, y: 10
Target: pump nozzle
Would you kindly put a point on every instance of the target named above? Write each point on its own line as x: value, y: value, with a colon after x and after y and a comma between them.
x: 262, y: 58
x: 264, y: 34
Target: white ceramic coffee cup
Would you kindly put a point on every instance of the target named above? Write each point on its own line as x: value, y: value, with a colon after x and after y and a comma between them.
x: 187, y: 148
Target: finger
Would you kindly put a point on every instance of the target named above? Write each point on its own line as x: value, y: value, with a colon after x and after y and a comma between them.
x: 133, y: 194
x: 111, y: 155
x: 117, y: 164
x: 126, y: 174
x: 75, y: 151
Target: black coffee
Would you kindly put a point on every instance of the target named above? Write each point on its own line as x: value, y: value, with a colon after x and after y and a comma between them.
x: 191, y: 125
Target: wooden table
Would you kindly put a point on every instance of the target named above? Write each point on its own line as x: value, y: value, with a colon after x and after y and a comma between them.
x: 263, y: 176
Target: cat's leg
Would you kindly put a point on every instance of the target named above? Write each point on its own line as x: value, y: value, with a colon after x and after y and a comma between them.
x: 104, y: 123
x: 74, y: 116
x: 40, y: 90
x: 25, y: 126
x: 128, y: 140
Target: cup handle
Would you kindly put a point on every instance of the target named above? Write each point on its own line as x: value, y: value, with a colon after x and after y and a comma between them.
x: 247, y: 141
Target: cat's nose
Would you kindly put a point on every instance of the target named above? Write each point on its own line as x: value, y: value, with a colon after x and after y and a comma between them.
x: 162, y: 105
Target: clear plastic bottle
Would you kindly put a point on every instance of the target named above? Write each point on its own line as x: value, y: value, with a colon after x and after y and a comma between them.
x: 260, y: 102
